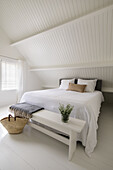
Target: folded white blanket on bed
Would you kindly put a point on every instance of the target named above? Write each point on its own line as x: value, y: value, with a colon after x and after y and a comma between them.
x: 86, y: 107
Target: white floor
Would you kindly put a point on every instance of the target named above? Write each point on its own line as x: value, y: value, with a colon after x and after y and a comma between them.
x: 33, y: 150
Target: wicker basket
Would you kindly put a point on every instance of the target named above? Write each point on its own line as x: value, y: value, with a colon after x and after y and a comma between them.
x: 14, y: 125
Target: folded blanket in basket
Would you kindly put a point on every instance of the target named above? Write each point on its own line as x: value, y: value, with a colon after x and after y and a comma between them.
x: 24, y: 109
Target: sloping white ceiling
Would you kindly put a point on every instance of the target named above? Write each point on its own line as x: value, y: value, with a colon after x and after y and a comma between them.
x: 82, y: 41
x: 23, y: 18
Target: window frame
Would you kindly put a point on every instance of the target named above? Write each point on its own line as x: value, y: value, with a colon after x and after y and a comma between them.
x: 9, y: 60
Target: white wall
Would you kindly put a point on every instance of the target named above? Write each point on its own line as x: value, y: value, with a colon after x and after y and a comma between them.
x: 8, y: 97
x: 6, y: 49
x: 51, y: 77
x: 34, y: 82
x: 31, y: 81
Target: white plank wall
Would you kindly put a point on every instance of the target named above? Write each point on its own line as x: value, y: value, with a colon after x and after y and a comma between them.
x: 52, y: 77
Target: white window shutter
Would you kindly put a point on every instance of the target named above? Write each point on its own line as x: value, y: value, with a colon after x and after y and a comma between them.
x: 8, y: 75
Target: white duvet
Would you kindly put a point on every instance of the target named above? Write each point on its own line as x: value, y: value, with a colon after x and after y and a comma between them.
x: 86, y: 107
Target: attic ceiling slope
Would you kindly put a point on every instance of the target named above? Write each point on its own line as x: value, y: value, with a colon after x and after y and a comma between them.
x: 90, y: 40
x: 23, y: 18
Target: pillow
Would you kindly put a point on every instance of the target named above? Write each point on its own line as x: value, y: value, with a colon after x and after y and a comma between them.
x: 90, y: 84
x: 65, y: 83
x: 76, y: 87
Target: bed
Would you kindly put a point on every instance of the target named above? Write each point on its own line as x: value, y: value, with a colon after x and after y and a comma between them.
x: 86, y: 107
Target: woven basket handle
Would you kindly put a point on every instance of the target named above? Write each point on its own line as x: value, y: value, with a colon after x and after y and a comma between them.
x: 10, y: 117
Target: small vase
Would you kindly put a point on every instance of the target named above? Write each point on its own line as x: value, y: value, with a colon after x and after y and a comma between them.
x: 65, y: 118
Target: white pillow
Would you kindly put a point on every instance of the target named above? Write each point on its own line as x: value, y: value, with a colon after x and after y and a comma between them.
x: 90, y: 84
x: 65, y: 83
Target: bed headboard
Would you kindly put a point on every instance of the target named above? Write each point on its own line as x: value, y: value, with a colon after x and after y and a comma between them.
x: 98, y: 85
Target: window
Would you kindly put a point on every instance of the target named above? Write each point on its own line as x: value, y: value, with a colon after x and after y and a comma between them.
x: 8, y: 75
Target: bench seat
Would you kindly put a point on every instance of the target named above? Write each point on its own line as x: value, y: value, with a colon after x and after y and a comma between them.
x: 50, y: 123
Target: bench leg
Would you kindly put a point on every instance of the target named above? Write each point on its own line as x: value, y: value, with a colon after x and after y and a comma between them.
x: 72, y: 144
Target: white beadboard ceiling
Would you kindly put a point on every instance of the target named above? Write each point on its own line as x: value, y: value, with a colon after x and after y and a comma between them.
x: 82, y: 41
x: 62, y: 33
x: 24, y: 18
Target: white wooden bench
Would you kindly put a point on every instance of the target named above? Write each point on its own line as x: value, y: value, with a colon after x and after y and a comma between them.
x: 53, y: 120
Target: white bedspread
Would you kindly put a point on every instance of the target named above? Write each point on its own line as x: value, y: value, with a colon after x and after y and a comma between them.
x: 86, y: 107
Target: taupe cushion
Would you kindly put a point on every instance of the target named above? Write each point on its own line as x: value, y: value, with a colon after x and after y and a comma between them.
x: 76, y: 87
